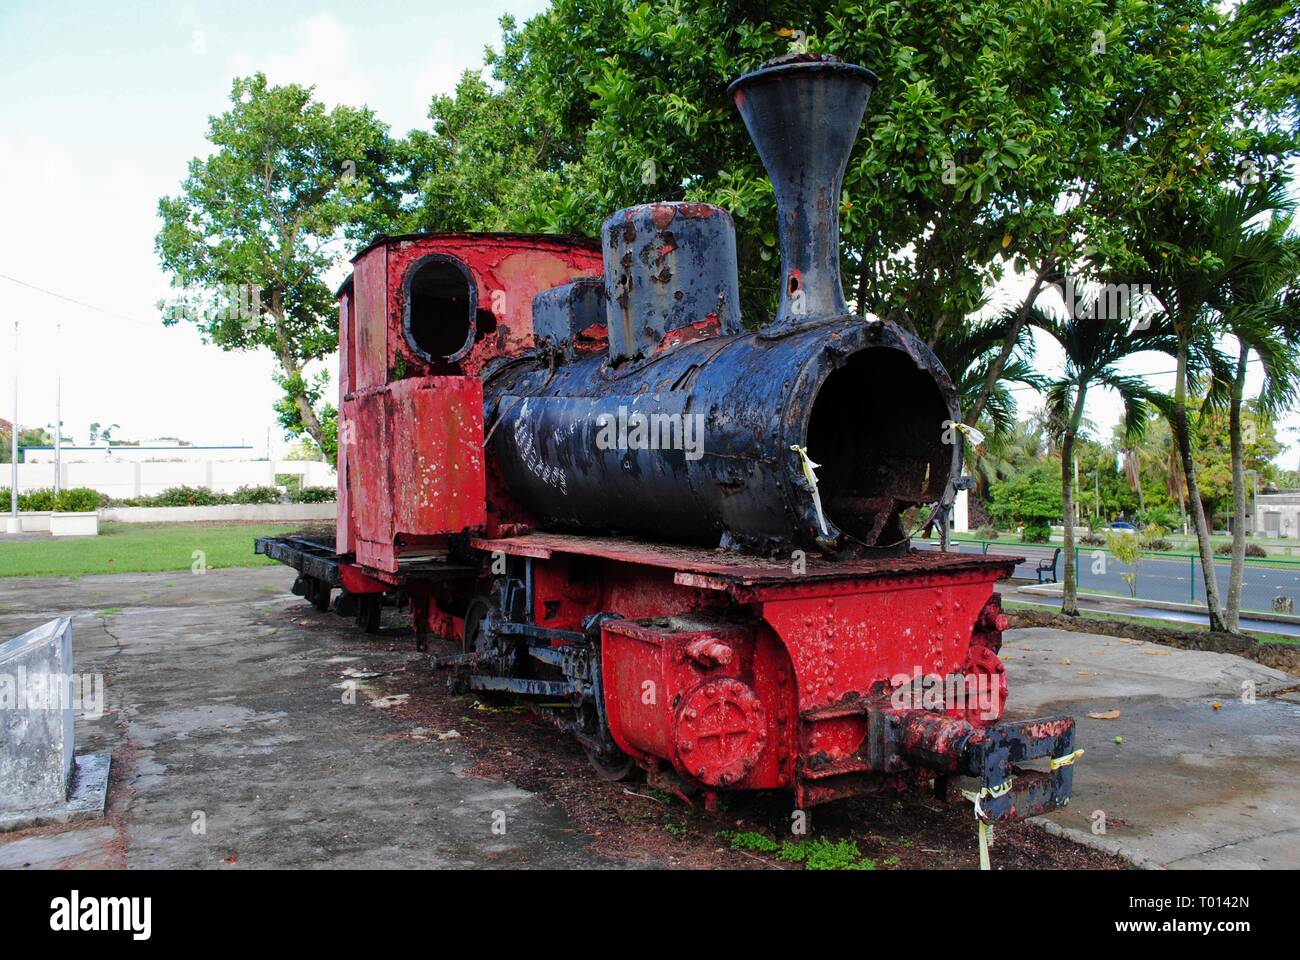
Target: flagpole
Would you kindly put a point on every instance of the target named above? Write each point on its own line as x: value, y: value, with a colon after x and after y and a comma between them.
x: 58, y: 408
x: 13, y: 490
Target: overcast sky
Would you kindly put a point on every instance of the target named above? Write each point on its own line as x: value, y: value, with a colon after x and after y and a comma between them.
x: 103, y: 106
x: 105, y: 103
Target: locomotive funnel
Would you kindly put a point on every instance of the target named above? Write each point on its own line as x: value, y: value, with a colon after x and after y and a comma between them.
x: 803, y: 112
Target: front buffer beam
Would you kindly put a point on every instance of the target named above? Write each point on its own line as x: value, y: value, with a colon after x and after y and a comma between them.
x: 992, y: 755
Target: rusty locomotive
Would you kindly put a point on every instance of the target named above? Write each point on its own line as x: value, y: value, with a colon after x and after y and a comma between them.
x: 681, y: 537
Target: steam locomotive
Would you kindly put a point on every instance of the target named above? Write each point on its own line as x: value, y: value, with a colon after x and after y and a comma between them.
x: 681, y: 538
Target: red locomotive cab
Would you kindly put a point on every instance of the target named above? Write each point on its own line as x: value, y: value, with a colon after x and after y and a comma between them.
x: 419, y: 319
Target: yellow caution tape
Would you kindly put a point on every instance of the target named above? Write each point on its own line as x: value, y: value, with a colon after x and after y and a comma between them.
x: 1065, y: 761
x: 809, y: 474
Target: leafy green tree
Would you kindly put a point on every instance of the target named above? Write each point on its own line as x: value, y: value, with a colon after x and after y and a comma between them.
x: 1104, y: 493
x: 259, y: 221
x: 1031, y: 495
x: 99, y: 431
x: 27, y: 437
x: 1002, y: 133
x: 1269, y: 33
x: 1258, y: 444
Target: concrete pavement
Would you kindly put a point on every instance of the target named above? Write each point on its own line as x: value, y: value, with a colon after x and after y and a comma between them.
x: 232, y: 744
x: 1201, y: 778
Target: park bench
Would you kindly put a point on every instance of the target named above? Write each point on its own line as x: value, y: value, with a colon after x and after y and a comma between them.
x: 1049, y: 567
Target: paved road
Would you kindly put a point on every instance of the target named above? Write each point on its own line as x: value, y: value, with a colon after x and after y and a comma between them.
x: 1178, y: 581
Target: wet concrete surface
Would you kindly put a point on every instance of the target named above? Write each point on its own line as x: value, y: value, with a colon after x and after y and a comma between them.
x: 1202, y: 776
x: 233, y: 746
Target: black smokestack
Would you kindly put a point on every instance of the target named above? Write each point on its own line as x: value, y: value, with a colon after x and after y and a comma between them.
x: 803, y: 112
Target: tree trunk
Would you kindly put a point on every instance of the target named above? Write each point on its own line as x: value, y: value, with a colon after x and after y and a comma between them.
x: 1137, y: 479
x: 1232, y: 614
x: 863, y: 269
x: 310, y: 422
x: 1183, y: 437
x: 1009, y: 344
x: 1070, y: 574
x: 293, y: 371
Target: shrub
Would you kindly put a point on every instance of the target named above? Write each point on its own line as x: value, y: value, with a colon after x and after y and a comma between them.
x: 1159, y: 516
x: 36, y: 501
x: 1158, y: 544
x: 986, y: 533
x: 131, y: 502
x: 1092, y: 540
x: 72, y: 500
x: 1252, y: 550
x: 313, y: 495
x: 1036, y: 531
x: 292, y: 482
x: 187, y: 497
x: 79, y: 500
x: 261, y: 494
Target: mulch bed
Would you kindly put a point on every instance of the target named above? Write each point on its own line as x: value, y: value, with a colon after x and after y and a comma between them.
x: 636, y: 824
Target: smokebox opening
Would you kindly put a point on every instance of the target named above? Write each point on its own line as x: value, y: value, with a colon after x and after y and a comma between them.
x: 878, y: 456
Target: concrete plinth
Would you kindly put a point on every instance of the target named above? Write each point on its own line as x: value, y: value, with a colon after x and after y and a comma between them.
x: 87, y: 797
x: 39, y: 781
x: 74, y: 524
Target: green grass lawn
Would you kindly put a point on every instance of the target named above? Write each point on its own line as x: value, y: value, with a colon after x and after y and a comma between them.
x: 139, y: 548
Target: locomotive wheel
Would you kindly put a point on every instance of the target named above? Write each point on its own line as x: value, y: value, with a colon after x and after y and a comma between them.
x: 478, y: 609
x: 345, y: 604
x: 614, y: 768
x: 369, y: 606
x: 319, y: 594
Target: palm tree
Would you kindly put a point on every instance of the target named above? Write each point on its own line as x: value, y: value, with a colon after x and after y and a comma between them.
x: 1095, y: 338
x: 1003, y: 454
x: 968, y: 353
x: 1195, y: 253
x: 1264, y: 320
x: 1133, y: 470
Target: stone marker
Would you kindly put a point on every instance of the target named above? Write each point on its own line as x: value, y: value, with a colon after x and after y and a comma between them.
x: 41, y: 781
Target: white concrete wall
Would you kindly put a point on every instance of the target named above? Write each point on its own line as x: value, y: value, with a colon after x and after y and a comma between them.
x: 1283, y: 510
x: 72, y: 453
x: 143, y: 479
x: 961, y: 512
